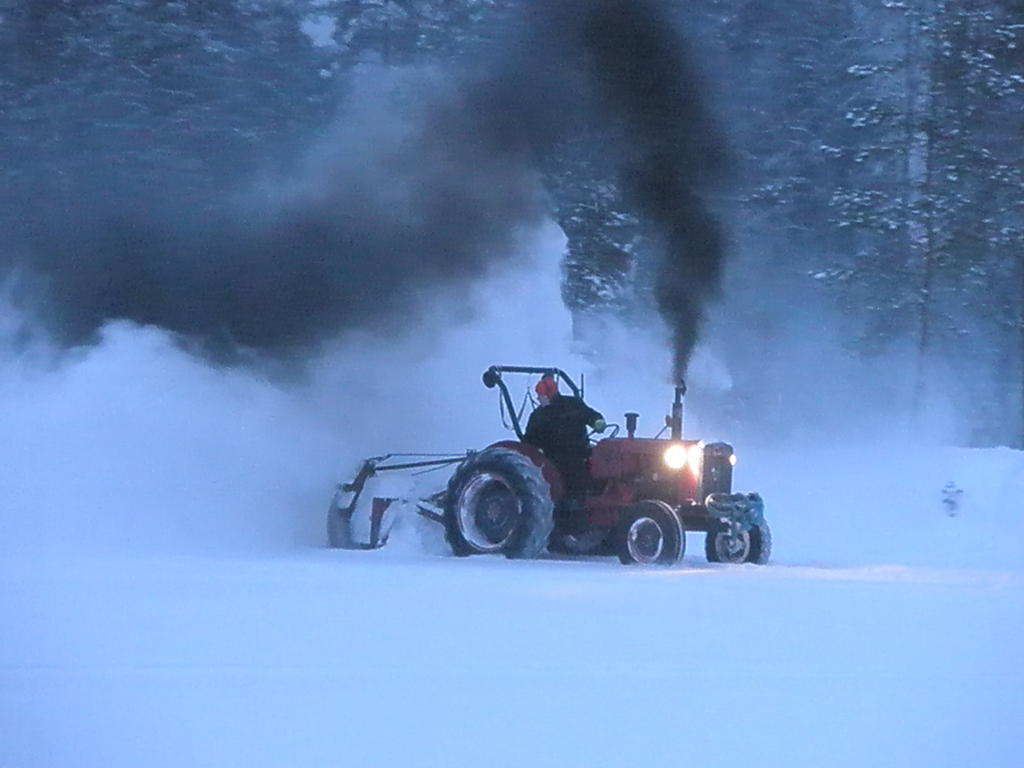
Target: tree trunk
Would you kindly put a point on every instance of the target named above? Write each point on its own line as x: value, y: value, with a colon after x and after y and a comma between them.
x: 919, y: 225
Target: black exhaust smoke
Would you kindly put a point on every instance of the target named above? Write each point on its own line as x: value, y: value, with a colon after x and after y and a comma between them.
x: 416, y: 192
x: 670, y: 154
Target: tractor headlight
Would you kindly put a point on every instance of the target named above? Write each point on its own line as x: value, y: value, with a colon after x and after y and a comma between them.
x: 694, y: 457
x: 732, y: 459
x: 678, y: 456
x: 675, y: 456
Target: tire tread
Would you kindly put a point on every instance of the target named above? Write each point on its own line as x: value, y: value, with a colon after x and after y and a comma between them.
x: 532, y: 535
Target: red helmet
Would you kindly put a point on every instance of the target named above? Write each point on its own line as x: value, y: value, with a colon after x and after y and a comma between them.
x: 546, y: 387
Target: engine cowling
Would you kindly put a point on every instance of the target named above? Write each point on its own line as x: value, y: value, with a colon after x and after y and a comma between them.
x: 642, y: 462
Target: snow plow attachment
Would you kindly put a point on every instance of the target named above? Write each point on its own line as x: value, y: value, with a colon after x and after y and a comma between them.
x: 743, y: 535
x: 356, y: 519
x: 742, y: 511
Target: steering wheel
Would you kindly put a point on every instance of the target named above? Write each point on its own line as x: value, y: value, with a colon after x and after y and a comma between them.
x: 603, y: 435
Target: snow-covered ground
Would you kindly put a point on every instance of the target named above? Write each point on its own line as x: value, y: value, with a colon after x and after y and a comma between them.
x: 166, y: 600
x: 840, y: 654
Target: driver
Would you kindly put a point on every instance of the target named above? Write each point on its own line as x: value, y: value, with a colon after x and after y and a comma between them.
x: 558, y: 426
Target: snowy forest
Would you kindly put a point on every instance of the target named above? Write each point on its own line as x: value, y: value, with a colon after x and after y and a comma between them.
x: 874, y: 172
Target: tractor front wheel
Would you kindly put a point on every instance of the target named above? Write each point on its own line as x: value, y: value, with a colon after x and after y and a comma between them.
x: 498, y: 502
x: 650, y: 533
x: 753, y: 546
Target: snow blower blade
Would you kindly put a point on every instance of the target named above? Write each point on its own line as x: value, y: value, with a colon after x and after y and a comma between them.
x: 358, y: 520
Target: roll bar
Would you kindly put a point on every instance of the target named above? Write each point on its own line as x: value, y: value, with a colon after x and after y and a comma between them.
x: 492, y: 378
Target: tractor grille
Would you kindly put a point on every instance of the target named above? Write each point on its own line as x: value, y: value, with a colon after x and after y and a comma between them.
x: 717, y: 477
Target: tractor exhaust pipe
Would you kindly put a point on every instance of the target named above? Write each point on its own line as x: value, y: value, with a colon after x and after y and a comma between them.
x: 631, y: 424
x: 676, y: 420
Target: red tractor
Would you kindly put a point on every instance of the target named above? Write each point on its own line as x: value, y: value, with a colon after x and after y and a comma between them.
x: 640, y: 498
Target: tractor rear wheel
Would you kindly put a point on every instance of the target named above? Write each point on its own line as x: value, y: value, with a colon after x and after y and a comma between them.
x: 753, y: 546
x: 498, y: 502
x: 650, y: 533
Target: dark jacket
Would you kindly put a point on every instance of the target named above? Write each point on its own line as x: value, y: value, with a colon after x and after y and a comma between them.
x: 560, y: 427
